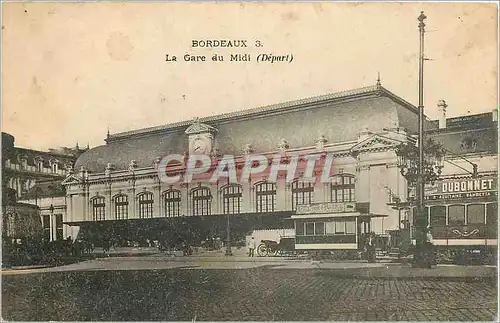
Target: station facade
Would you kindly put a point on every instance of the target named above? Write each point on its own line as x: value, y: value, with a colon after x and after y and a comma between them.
x: 115, y: 188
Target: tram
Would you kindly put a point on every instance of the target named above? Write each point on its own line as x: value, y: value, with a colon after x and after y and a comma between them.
x: 463, y: 219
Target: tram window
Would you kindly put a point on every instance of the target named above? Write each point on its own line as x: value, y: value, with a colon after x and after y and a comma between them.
x: 492, y: 213
x: 330, y: 227
x: 339, y: 227
x: 309, y: 229
x: 456, y: 214
x: 299, y: 228
x: 475, y: 214
x: 319, y: 228
x: 350, y: 227
x: 438, y: 215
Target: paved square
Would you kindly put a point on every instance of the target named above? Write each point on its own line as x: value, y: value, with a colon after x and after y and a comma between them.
x: 245, y: 294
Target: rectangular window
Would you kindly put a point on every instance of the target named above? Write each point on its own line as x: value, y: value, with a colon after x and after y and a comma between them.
x: 350, y: 227
x: 339, y: 227
x: 46, y: 227
x: 340, y: 196
x: 456, y: 215
x: 309, y: 229
x: 475, y: 214
x: 491, y: 214
x: 319, y: 228
x: 330, y: 227
x: 59, y: 227
x: 299, y: 228
x: 438, y: 215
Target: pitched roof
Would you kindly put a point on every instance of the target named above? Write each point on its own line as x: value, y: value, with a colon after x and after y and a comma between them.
x: 45, y: 189
x: 353, y: 93
x: 338, y: 117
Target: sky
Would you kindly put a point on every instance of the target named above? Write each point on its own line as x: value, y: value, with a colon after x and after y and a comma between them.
x: 71, y: 71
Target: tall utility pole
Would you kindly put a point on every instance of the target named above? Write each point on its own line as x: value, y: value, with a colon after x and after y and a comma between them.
x: 421, y: 220
x: 228, y: 242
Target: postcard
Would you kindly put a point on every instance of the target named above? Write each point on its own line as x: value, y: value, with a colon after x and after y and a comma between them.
x: 249, y: 161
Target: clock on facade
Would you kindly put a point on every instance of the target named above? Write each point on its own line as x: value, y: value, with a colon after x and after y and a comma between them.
x: 199, y: 146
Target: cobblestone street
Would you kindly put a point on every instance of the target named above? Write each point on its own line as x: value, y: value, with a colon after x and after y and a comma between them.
x: 246, y: 294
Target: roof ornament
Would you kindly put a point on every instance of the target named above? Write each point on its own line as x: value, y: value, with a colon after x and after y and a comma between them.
x: 197, y: 127
x: 248, y: 149
x: 132, y: 166
x: 107, y: 135
x: 109, y: 167
x: 156, y: 162
x: 83, y: 173
x: 283, y: 145
x: 215, y: 152
x: 320, y: 143
x: 379, y: 84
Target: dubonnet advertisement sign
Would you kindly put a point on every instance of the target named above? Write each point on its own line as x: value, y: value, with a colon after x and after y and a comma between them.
x: 462, y: 188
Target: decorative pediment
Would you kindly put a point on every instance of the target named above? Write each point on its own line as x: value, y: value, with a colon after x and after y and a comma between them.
x: 375, y: 143
x: 197, y: 127
x: 71, y: 179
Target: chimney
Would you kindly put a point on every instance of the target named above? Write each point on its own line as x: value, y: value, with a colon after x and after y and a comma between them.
x: 442, y: 113
x: 495, y: 115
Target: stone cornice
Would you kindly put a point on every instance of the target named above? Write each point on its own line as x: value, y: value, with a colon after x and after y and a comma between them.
x: 334, y: 150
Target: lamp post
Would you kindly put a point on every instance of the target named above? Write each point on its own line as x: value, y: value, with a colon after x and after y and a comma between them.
x: 416, y: 173
x: 421, y: 217
x: 228, y: 240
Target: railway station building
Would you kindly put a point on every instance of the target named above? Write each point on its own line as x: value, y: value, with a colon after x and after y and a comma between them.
x: 115, y: 190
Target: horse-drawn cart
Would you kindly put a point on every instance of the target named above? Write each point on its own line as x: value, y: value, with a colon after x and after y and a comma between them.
x: 271, y: 248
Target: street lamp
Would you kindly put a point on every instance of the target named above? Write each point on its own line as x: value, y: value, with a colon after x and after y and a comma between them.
x: 409, y: 162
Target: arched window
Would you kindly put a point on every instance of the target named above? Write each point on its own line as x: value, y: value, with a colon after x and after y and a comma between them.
x: 456, y: 214
x: 98, y: 208
x: 54, y: 164
x: 172, y: 203
x: 121, y: 207
x: 202, y: 201
x: 39, y: 164
x: 265, y: 197
x: 231, y: 199
x: 146, y: 202
x: 342, y: 188
x: 302, y: 193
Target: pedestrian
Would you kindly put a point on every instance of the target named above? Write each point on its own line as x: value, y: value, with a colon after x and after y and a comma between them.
x: 105, y: 247
x: 370, y: 247
x: 430, y: 248
x: 251, y: 247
